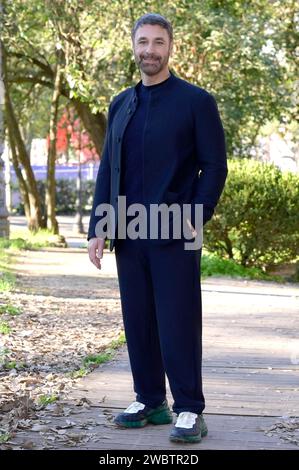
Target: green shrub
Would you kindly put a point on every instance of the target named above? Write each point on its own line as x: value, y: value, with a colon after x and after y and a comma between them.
x: 256, y: 221
x: 66, y: 195
x: 213, y: 265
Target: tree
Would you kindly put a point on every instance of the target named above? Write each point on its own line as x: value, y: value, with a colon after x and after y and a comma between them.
x: 28, y: 186
x: 4, y: 225
x: 243, y: 52
x: 52, y: 223
x: 72, y: 135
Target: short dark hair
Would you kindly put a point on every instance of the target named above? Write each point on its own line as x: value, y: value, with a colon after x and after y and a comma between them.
x: 152, y: 18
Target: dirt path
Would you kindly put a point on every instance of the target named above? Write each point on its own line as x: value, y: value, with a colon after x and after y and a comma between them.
x: 69, y: 311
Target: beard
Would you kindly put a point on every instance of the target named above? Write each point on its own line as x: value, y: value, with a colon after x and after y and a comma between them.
x: 151, y: 64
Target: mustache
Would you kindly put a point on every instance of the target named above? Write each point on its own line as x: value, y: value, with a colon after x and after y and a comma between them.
x: 142, y: 57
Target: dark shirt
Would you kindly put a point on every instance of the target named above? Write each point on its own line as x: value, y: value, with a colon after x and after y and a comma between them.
x: 131, y: 184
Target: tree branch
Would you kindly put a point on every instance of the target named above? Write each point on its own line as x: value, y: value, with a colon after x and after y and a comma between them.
x: 45, y: 67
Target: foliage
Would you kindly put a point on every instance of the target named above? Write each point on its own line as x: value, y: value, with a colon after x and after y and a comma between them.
x: 256, y: 221
x: 213, y: 265
x: 243, y: 52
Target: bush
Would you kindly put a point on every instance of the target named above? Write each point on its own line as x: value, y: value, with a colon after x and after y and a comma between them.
x: 256, y: 221
x: 66, y: 194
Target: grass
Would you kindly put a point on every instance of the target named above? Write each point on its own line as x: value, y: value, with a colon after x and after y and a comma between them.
x: 4, y: 328
x: 91, y: 361
x: 14, y: 365
x: 10, y: 310
x: 8, y: 248
x: 14, y: 244
x: 106, y: 355
x: 213, y: 265
x: 6, y: 364
x: 96, y: 359
x: 4, y: 352
x: 47, y: 399
x: 78, y: 374
x: 4, y: 437
x: 7, y: 279
x: 24, y: 239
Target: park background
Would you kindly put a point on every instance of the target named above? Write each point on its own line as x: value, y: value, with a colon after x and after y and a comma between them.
x: 62, y: 63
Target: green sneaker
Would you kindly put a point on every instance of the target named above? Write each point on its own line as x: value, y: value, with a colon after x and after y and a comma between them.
x: 189, y: 427
x: 138, y: 415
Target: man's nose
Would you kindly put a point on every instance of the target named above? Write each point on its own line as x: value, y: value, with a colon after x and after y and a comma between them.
x: 150, y: 48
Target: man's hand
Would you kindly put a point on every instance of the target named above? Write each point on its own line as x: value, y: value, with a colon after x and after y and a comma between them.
x: 193, y: 231
x: 95, y: 251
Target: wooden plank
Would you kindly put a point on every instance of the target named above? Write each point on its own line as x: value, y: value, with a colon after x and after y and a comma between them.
x: 94, y: 429
x: 227, y: 390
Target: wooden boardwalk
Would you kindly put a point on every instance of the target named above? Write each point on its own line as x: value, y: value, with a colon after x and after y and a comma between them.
x: 250, y: 374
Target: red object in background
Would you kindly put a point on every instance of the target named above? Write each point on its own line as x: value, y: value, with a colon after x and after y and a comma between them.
x: 71, y: 135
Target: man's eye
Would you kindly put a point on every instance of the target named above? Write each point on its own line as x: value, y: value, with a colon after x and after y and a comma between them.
x: 158, y: 42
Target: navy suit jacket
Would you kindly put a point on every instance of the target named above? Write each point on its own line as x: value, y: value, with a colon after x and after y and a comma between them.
x: 184, y: 156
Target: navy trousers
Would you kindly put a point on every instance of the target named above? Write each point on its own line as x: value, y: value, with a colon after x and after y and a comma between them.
x: 162, y: 313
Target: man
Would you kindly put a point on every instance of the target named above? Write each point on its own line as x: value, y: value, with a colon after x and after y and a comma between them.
x: 160, y: 134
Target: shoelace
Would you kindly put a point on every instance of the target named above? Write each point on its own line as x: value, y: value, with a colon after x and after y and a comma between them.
x: 135, y: 407
x: 186, y: 419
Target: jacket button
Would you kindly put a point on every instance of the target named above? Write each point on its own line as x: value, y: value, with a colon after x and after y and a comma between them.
x: 129, y: 111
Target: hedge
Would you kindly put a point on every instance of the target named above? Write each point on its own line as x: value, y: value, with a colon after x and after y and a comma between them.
x: 256, y: 220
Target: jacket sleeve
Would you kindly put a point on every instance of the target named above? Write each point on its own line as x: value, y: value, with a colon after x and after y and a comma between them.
x: 102, y: 187
x: 210, y: 155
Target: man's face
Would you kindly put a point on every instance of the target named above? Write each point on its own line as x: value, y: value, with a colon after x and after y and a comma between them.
x: 152, y: 48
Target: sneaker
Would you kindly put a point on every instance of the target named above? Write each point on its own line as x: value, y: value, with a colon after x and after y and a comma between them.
x: 189, y: 427
x: 138, y: 415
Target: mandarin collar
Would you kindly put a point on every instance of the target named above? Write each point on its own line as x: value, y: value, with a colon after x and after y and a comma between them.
x: 169, y: 81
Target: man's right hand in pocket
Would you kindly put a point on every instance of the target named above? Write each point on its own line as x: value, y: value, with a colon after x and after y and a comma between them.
x: 95, y: 250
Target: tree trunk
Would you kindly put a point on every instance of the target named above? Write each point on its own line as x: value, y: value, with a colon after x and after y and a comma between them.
x: 95, y: 124
x: 51, y: 183
x: 35, y: 220
x: 22, y: 182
